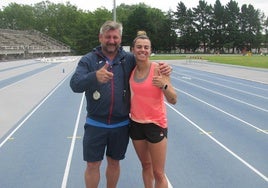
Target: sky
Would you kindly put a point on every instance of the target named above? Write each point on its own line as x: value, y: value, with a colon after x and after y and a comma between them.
x: 164, y: 5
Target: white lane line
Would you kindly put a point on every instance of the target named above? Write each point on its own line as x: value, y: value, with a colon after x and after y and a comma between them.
x: 233, y: 116
x: 223, y: 79
x: 239, y: 90
x: 26, y: 78
x: 169, y: 184
x: 31, y: 113
x: 218, y: 93
x: 69, y: 160
x: 221, y: 145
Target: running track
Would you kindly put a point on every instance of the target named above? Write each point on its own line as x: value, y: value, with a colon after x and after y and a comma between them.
x: 218, y: 130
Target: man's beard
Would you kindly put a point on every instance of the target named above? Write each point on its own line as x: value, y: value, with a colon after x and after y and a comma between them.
x: 110, y: 49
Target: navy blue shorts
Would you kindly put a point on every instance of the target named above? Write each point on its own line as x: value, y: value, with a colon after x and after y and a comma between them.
x: 97, y: 140
x: 147, y: 131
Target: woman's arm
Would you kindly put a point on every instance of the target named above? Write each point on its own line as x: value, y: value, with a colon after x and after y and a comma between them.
x: 169, y: 92
x: 163, y: 82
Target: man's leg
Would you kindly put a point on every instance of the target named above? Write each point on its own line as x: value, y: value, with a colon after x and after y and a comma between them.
x: 92, y: 174
x: 112, y: 172
x: 116, y: 149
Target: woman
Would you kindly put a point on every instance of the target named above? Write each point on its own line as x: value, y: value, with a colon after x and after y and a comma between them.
x: 148, y: 128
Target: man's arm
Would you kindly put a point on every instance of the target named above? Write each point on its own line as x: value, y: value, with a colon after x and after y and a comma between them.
x: 82, y: 78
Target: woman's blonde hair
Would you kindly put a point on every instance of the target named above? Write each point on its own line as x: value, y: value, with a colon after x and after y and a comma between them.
x: 140, y: 35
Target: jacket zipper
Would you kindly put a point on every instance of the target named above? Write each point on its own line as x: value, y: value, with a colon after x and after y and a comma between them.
x: 112, y: 101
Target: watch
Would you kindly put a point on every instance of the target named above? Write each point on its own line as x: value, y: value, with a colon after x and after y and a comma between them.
x: 165, y: 87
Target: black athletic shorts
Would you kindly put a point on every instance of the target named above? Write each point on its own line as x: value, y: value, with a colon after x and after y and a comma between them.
x: 147, y: 131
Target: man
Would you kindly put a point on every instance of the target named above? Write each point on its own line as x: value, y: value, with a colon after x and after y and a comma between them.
x: 103, y: 74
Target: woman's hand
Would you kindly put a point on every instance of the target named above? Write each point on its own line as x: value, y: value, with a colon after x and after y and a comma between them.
x: 160, y: 80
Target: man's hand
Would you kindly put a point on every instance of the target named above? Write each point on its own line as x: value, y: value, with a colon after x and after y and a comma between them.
x: 165, y: 69
x: 103, y: 75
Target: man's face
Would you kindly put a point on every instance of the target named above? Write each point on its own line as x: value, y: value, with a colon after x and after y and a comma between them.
x: 110, y: 41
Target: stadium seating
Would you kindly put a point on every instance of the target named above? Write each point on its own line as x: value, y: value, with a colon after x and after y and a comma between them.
x: 29, y: 44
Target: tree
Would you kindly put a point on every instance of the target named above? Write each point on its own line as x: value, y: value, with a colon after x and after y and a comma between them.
x: 123, y: 11
x: 218, y: 23
x: 137, y: 20
x: 171, y: 35
x: 233, y: 36
x: 60, y: 22
x: 202, y: 17
x: 151, y: 20
x: 160, y: 28
x: 188, y: 37
x: 217, y: 27
x: 266, y: 34
x: 250, y: 26
x: 17, y: 16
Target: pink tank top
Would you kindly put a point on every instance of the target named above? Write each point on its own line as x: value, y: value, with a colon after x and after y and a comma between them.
x: 147, y: 101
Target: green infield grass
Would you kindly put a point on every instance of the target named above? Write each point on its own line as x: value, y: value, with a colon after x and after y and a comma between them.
x: 250, y: 61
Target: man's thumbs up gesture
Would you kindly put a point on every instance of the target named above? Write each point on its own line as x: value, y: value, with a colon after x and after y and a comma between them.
x: 103, y: 75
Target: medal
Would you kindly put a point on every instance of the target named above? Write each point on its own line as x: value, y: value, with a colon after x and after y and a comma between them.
x: 96, y: 95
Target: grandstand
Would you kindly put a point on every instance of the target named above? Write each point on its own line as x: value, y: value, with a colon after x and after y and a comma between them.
x: 18, y: 44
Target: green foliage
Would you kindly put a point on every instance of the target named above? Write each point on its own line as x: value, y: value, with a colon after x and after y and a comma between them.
x: 249, y: 61
x: 185, y: 30
x: 168, y: 57
x: 17, y: 17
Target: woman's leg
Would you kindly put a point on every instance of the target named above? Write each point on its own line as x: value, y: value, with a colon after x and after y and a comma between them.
x: 141, y: 147
x: 158, y: 158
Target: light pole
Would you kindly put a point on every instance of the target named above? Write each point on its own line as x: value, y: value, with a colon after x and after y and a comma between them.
x: 114, y: 11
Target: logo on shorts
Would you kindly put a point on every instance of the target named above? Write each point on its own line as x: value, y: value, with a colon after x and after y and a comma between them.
x: 161, y: 134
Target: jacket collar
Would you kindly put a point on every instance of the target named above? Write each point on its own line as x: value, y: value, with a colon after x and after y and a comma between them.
x: 120, y: 55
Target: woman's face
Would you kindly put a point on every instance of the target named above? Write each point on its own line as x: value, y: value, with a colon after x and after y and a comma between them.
x: 142, y: 49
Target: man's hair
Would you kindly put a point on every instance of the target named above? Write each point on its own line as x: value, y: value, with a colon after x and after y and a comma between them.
x: 111, y: 25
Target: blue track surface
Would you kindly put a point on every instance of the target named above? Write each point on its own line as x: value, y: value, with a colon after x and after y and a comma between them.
x: 218, y: 137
